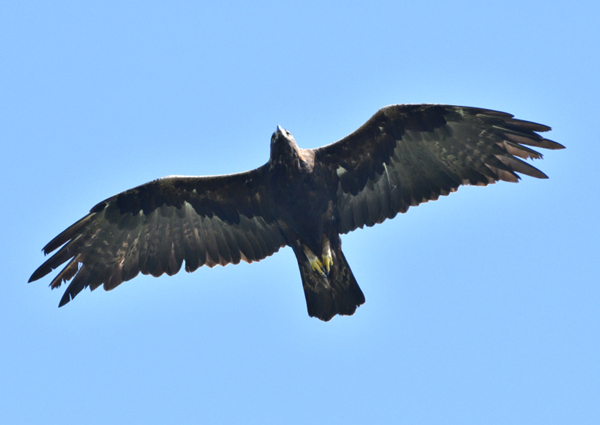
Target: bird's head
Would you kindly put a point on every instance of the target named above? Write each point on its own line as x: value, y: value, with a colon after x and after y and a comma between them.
x: 283, y: 145
x: 282, y: 136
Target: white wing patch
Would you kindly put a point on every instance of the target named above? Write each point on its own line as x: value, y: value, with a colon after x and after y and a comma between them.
x: 341, y: 171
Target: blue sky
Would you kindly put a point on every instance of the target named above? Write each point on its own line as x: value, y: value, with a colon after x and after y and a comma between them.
x: 482, y: 307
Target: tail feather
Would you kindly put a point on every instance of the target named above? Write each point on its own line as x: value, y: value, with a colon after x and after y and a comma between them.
x: 338, y: 293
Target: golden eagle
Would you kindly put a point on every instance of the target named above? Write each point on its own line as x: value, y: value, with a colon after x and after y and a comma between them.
x: 305, y: 198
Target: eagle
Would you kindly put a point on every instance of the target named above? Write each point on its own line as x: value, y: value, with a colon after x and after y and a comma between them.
x: 403, y: 156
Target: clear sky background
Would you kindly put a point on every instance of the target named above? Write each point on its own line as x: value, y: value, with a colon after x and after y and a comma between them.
x: 482, y: 307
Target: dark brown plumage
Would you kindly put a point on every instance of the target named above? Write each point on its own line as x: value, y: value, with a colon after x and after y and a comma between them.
x: 305, y: 198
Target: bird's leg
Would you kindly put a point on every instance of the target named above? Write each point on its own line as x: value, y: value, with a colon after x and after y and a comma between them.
x: 326, y: 255
x: 315, y: 264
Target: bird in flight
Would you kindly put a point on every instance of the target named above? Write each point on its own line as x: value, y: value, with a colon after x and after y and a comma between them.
x: 303, y: 198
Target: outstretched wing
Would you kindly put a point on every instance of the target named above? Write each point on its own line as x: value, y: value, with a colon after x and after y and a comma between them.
x: 409, y: 154
x: 154, y: 227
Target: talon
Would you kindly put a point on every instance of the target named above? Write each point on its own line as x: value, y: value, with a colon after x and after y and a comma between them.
x: 317, y: 266
x: 327, y: 262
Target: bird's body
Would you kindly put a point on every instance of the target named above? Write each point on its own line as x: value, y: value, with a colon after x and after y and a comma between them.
x: 302, y: 190
x: 304, y: 198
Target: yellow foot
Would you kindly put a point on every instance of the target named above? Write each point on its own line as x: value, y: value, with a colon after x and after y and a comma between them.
x: 327, y: 263
x: 317, y: 266
x: 326, y: 256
